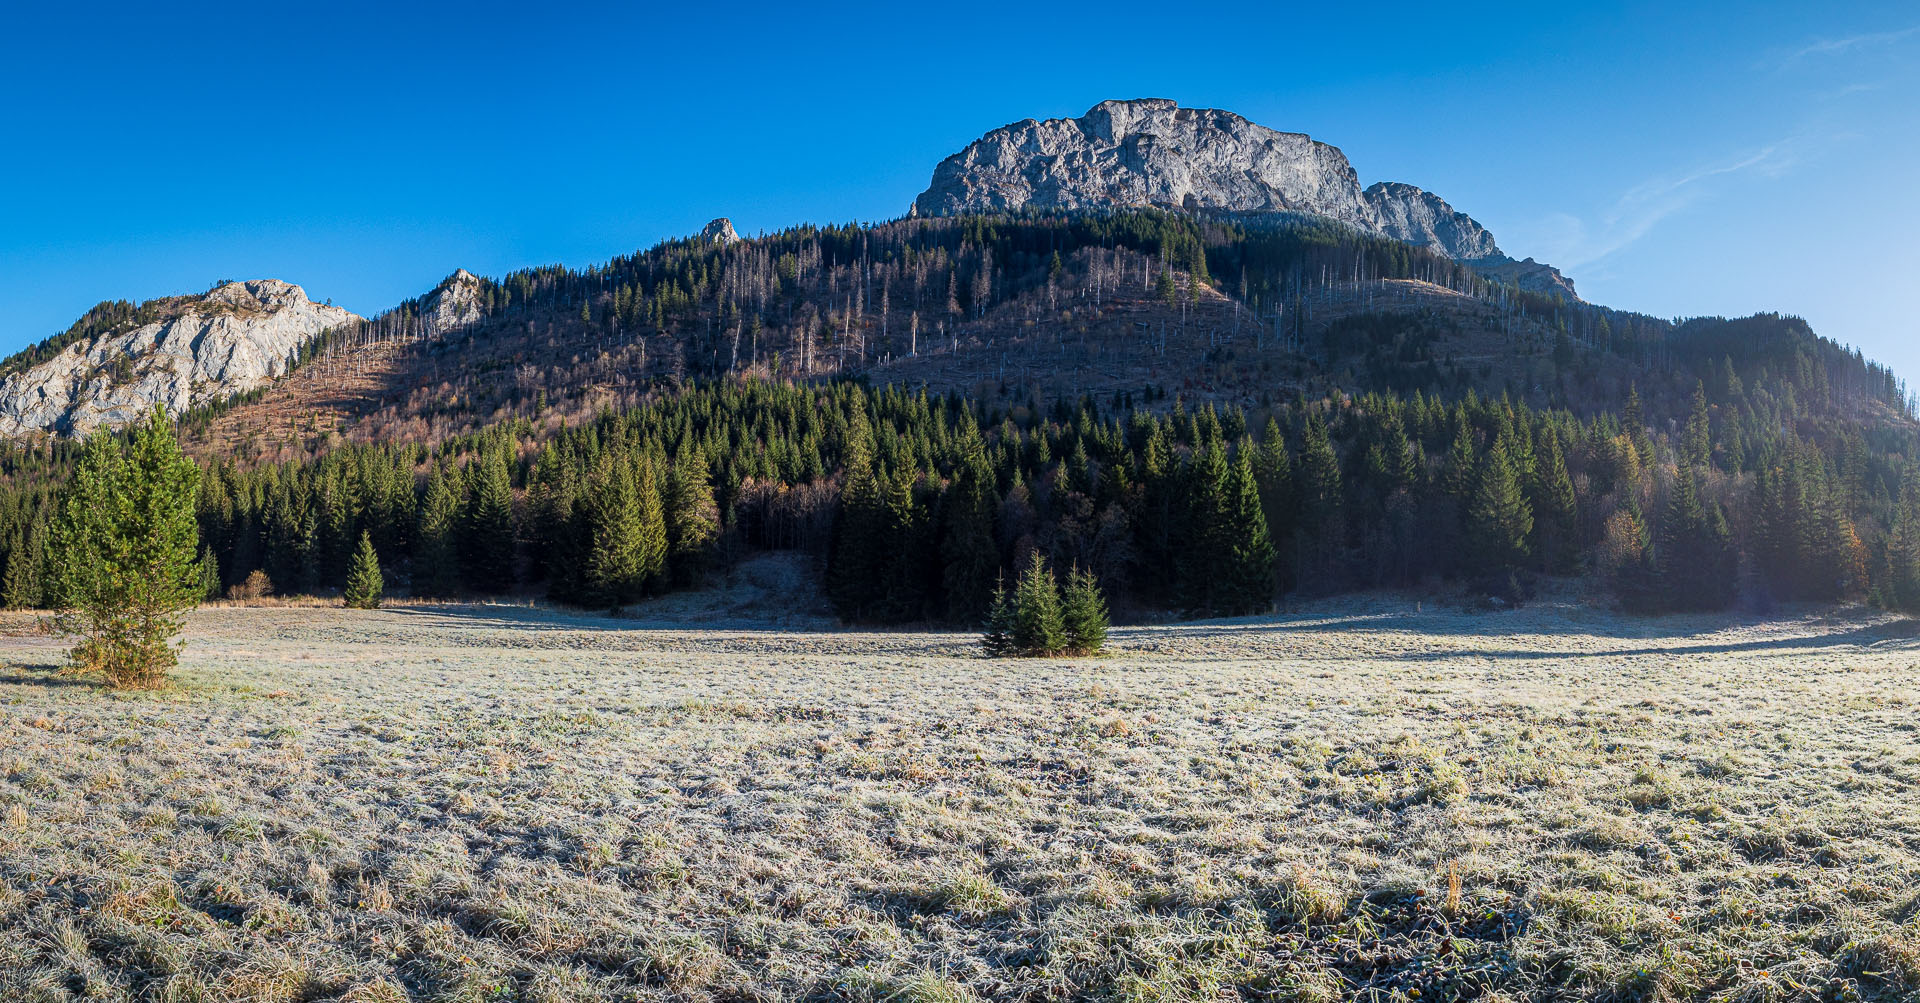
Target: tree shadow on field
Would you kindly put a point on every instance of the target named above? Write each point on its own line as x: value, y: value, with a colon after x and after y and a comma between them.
x: 1861, y: 637
x: 1685, y: 635
x: 918, y: 640
x: 48, y: 674
x: 456, y: 615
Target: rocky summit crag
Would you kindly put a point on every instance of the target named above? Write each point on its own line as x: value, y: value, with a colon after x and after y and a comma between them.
x: 452, y: 305
x: 233, y: 339
x: 1152, y: 152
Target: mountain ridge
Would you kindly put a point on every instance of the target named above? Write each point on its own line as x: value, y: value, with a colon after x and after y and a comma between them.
x: 1154, y: 152
x: 1238, y: 301
x: 180, y: 353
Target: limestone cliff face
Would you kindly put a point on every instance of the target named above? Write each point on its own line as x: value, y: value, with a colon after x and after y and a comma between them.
x: 1404, y: 212
x: 452, y: 305
x: 1152, y: 152
x: 208, y: 348
x: 720, y: 231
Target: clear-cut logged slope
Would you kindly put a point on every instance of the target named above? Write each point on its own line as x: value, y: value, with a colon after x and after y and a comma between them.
x: 203, y: 349
x: 1152, y: 152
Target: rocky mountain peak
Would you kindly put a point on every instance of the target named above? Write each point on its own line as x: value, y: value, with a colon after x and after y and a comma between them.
x: 720, y: 231
x: 232, y: 339
x: 1153, y: 152
x: 453, y: 304
x: 257, y: 296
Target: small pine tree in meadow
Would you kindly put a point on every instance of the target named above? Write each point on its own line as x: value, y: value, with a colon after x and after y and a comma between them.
x: 1084, y: 613
x: 998, y: 639
x: 1038, y: 627
x: 123, y: 554
x: 364, y: 584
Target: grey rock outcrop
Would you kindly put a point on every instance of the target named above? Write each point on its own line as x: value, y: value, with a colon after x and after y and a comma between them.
x: 231, y: 340
x: 1404, y: 212
x: 452, y: 305
x: 1152, y: 152
x: 720, y: 231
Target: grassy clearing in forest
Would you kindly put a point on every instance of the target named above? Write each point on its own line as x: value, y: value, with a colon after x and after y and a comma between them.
x: 1363, y: 801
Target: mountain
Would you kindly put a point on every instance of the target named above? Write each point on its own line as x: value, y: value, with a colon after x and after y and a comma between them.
x: 1116, y: 386
x: 1152, y: 152
x: 180, y: 352
x: 916, y: 300
x: 1040, y: 279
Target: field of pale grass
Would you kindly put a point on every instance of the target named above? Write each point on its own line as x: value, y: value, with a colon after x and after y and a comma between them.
x: 1360, y: 801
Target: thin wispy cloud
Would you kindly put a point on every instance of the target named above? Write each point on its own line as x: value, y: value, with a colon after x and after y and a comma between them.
x: 1576, y: 241
x: 1850, y: 43
x: 1851, y: 89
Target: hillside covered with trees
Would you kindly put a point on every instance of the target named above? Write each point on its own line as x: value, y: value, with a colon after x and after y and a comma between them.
x: 1204, y: 415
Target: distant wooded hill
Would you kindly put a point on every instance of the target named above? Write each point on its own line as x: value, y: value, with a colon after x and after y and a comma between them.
x: 1207, y: 414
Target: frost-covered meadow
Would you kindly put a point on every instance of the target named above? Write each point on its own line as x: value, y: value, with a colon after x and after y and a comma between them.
x: 1361, y: 800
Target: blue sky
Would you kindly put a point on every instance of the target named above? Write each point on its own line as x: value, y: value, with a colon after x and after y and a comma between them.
x: 1721, y: 159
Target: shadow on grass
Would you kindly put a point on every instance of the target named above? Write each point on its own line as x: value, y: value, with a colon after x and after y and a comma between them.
x: 1686, y: 635
x: 47, y: 675
x: 489, y: 615
x: 1675, y: 635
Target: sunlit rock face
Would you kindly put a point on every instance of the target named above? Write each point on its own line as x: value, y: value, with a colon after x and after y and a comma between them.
x: 1152, y: 152
x: 234, y: 339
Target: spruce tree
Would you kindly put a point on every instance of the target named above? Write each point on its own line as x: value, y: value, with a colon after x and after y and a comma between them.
x: 652, y: 524
x: 1200, y: 564
x: 1083, y: 613
x: 1273, y: 472
x: 1246, y: 572
x: 333, y: 513
x: 290, y: 557
x: 487, y: 540
x: 1500, y: 520
x: 615, y: 569
x: 1320, y: 532
x: 365, y: 587
x: 1634, y: 422
x: 1038, y: 626
x: 1555, y: 523
x: 555, y: 524
x: 209, y: 570
x: 1698, y: 441
x: 1462, y: 470
x: 124, y: 553
x: 1900, y: 588
x: 26, y: 561
x: 247, y: 544
x: 969, y: 556
x: 1776, y: 534
x: 1695, y: 559
x: 858, y: 554
x: 998, y: 637
x: 436, y: 562
x: 1158, y: 522
x: 908, y: 552
x: 693, y: 520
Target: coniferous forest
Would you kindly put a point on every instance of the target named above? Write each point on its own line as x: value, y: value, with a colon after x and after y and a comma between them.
x: 918, y: 506
x: 1762, y: 464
